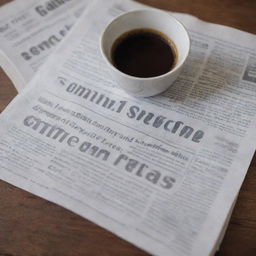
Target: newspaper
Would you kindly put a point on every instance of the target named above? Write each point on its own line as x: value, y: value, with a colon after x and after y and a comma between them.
x: 161, y: 172
x: 30, y: 30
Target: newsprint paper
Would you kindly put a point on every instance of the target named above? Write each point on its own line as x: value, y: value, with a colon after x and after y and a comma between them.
x: 161, y: 172
x: 30, y: 30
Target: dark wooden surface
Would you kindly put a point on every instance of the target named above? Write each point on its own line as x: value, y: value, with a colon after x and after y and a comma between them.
x: 30, y: 226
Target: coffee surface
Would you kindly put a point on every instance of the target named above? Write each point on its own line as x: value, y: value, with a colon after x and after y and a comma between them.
x: 144, y: 53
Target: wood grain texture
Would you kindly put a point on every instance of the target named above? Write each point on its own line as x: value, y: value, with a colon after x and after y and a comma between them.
x: 30, y: 226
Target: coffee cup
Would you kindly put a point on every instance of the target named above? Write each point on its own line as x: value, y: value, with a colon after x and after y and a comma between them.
x: 153, y: 20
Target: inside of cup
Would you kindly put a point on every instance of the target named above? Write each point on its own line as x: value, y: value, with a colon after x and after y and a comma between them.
x: 154, y: 19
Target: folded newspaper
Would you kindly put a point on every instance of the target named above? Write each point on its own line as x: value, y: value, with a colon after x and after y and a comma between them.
x: 30, y: 30
x: 162, y: 172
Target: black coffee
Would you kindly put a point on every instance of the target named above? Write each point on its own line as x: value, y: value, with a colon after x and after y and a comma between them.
x: 144, y: 53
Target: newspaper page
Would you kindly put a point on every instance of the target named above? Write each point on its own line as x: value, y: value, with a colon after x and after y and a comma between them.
x: 30, y: 30
x: 161, y: 172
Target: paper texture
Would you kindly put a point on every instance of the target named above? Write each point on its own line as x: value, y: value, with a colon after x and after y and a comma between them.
x: 162, y: 172
x: 30, y: 30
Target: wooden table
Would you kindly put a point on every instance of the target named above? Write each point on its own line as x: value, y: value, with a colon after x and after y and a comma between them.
x: 30, y: 226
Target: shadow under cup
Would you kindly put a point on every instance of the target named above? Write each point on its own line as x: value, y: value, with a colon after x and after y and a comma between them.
x: 155, y: 20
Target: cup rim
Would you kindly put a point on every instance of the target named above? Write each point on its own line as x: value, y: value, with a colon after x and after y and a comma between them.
x: 143, y: 78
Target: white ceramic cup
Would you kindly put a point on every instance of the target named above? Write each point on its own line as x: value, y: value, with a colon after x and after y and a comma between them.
x: 148, y: 18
